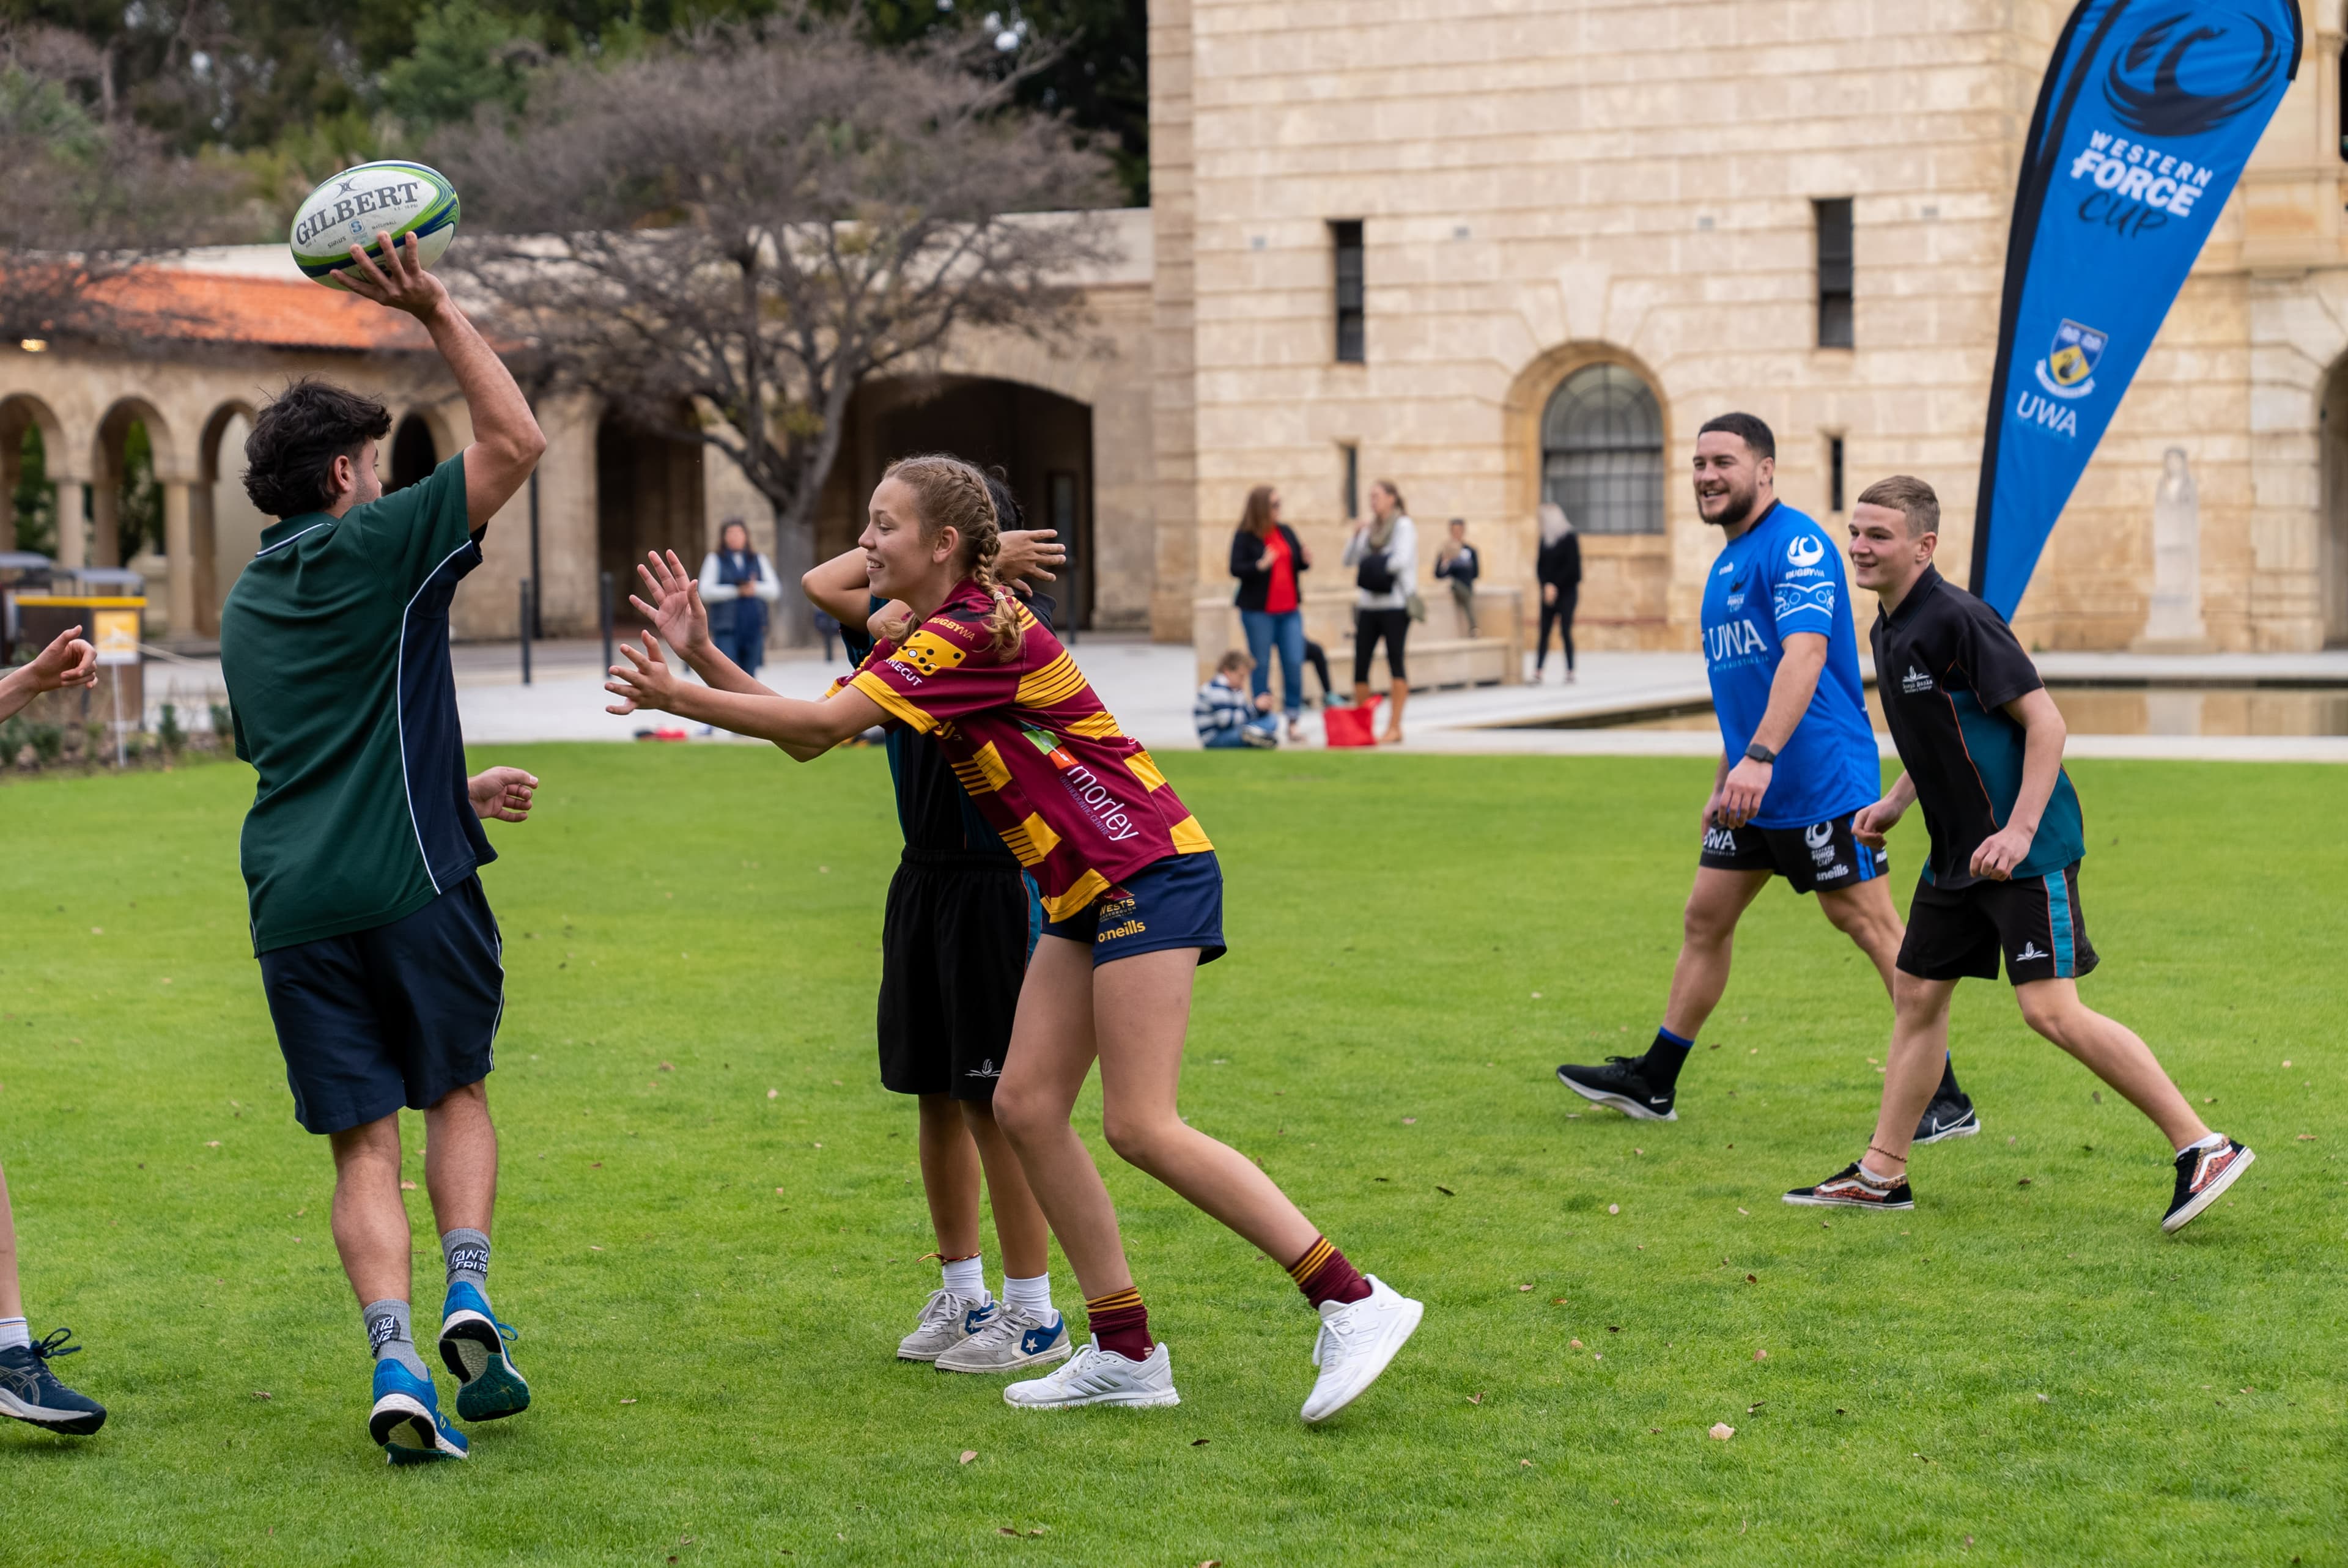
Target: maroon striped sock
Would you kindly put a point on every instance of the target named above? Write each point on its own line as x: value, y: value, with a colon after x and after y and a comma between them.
x: 1324, y: 1275
x: 1121, y: 1324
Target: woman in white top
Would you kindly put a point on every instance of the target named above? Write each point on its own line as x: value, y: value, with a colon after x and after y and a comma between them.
x: 738, y: 583
x: 1386, y: 551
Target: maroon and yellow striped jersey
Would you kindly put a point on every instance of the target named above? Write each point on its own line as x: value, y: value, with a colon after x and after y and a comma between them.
x: 1078, y: 801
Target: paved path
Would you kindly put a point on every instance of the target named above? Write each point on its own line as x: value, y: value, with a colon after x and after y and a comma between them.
x: 1148, y: 686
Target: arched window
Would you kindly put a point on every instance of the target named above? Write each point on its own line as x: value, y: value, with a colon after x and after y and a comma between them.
x: 1602, y: 452
x: 412, y: 453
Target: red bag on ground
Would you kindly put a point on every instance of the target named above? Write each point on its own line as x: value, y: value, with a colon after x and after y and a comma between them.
x: 1353, y: 726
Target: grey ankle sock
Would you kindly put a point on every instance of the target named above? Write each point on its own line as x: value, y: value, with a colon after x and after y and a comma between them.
x: 387, y: 1332
x: 467, y: 1253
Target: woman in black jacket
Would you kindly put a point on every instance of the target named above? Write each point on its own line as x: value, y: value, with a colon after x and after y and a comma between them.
x: 1269, y: 561
x: 1558, y: 567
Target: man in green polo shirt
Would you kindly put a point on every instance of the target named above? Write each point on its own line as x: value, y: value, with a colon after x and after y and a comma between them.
x: 377, y: 948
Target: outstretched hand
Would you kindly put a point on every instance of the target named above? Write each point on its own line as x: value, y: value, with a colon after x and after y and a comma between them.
x: 1023, y: 554
x: 68, y: 661
x: 503, y: 793
x: 644, y: 681
x: 676, y: 611
x: 401, y: 281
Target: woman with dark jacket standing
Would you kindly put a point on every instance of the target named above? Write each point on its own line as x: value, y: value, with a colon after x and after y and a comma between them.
x: 1269, y: 559
x: 1558, y: 567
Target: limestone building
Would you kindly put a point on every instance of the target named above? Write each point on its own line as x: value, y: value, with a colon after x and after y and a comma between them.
x: 1494, y: 253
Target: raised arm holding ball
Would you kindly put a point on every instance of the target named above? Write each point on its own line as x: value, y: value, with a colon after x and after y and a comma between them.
x: 379, y: 951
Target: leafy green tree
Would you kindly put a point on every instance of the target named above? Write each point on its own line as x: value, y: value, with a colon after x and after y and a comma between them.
x: 465, y: 55
x: 33, y: 502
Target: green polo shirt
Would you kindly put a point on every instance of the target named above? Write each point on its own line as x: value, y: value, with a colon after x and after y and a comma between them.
x: 334, y: 647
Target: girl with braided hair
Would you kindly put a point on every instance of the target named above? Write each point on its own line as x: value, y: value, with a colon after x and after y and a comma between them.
x: 1132, y: 904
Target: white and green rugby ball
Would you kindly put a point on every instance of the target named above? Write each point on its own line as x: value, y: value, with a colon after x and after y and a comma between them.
x: 354, y: 206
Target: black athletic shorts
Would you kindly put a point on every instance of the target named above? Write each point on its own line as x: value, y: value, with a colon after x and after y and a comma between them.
x: 395, y: 1015
x: 1959, y: 933
x: 953, y: 951
x: 1824, y: 855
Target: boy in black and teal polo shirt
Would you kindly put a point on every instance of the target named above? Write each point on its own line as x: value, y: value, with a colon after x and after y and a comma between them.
x: 1983, y: 744
x: 377, y: 948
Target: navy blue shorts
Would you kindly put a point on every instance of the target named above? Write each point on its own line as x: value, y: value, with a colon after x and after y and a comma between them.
x: 1177, y: 902
x: 395, y: 1015
x: 1825, y: 857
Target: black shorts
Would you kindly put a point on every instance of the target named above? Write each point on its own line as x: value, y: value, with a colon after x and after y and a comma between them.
x: 1177, y: 902
x: 395, y: 1015
x: 954, y: 952
x: 1823, y: 856
x: 2035, y: 922
x: 1369, y: 626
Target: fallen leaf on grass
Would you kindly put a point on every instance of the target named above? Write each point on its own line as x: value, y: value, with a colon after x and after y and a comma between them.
x: 967, y: 1455
x: 1760, y: 1355
x: 1201, y: 1442
x: 1474, y: 1399
x: 1613, y: 1208
x: 2306, y: 1138
x: 262, y: 1394
x: 668, y: 1067
x: 1446, y: 1192
x: 629, y: 1401
x: 1526, y: 1463
x: 1741, y: 1212
x: 772, y: 1094
x: 1752, y: 1280
x: 2023, y: 1183
x: 2044, y: 1400
x: 213, y: 1144
x: 1410, y: 1121
x: 1755, y: 1407
x: 1576, y: 1344
x: 1723, y: 1431
x: 1559, y: 1302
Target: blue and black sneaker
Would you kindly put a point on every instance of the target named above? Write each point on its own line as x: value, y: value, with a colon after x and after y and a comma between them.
x: 406, y: 1418
x: 473, y: 1344
x: 31, y: 1393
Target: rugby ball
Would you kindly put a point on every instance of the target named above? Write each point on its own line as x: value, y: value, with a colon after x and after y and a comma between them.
x: 350, y: 209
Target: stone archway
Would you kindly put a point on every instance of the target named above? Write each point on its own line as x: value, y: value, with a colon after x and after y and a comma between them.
x: 1627, y: 579
x: 223, y: 525
x: 2331, y: 537
x: 413, y: 455
x: 25, y: 419
x: 648, y: 496
x: 1041, y: 438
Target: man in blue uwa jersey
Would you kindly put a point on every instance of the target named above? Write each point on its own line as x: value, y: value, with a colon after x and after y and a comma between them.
x: 1797, y: 758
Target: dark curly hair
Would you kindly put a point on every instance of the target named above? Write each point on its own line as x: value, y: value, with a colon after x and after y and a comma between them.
x: 296, y: 436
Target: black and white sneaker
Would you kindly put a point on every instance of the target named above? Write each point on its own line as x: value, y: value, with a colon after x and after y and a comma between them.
x: 31, y: 1393
x: 1850, y: 1188
x: 2202, y: 1176
x: 1621, y: 1084
x: 1949, y: 1116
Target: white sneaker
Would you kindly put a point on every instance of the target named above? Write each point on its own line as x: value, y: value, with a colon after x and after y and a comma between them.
x: 1357, y: 1339
x: 1096, y: 1376
x: 947, y: 1320
x: 1014, y: 1338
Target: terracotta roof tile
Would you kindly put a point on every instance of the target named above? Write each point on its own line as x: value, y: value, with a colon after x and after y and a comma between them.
x: 213, y: 307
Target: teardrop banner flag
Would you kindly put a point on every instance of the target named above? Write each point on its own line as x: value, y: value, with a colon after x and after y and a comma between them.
x: 2149, y: 111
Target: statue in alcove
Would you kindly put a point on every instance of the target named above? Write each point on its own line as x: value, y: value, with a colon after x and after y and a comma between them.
x: 2174, y: 624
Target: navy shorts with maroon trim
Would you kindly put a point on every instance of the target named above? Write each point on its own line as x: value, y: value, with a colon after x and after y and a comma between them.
x: 1177, y: 902
x: 394, y: 1015
x: 1824, y: 855
x: 954, y: 953
x: 2034, y: 923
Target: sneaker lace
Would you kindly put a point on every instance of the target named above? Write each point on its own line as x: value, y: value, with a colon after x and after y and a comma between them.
x: 943, y: 1307
x: 1631, y: 1062
x: 54, y: 1344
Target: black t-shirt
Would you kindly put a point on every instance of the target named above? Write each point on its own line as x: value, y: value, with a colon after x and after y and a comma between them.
x: 1946, y: 665
x: 932, y: 808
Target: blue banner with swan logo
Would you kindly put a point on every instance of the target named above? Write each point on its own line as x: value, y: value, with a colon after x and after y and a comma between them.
x: 2147, y: 116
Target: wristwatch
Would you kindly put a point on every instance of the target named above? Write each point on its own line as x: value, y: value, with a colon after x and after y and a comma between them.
x: 1760, y: 754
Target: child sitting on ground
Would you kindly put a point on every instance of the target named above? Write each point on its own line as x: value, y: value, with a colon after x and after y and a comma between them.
x: 1226, y: 716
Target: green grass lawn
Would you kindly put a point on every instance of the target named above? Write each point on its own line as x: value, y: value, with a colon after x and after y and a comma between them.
x: 710, y: 1278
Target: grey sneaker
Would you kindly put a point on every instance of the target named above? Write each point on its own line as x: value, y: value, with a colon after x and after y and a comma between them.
x: 947, y: 1320
x: 1014, y: 1338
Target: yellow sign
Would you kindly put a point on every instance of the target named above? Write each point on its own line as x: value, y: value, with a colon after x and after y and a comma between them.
x: 115, y: 633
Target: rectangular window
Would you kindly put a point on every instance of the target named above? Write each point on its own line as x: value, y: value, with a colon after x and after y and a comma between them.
x: 1351, y: 495
x: 1834, y: 474
x: 1345, y: 238
x: 1834, y: 227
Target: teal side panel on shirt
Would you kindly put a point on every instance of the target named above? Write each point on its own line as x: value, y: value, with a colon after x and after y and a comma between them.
x: 1997, y: 745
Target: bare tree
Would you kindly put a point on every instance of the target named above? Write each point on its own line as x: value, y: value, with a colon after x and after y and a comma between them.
x: 725, y: 238
x: 84, y: 198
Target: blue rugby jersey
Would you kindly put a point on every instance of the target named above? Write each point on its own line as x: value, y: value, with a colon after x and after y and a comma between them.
x: 1782, y: 575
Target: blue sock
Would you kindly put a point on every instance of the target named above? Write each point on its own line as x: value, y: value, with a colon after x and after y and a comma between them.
x: 1660, y: 1066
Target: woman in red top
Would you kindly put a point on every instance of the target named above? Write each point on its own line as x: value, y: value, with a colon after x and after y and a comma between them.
x: 1267, y: 557
x: 1132, y: 901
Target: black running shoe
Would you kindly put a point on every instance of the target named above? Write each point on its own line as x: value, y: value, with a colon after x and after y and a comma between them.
x: 2202, y: 1174
x: 31, y: 1393
x: 1621, y: 1084
x: 1847, y: 1189
x: 1950, y: 1116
